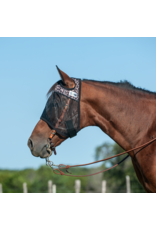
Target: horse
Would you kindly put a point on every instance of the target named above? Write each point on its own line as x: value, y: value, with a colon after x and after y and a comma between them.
x: 122, y: 111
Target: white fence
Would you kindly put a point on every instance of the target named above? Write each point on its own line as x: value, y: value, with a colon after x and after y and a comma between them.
x: 104, y: 186
x: 1, y: 189
x: 52, y: 187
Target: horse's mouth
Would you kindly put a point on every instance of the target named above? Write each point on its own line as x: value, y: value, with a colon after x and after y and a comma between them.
x: 45, y: 152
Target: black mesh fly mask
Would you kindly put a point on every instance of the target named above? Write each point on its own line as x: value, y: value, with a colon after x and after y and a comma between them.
x: 62, y: 110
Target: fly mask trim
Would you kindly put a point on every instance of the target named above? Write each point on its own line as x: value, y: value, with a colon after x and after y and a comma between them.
x: 71, y: 93
x: 69, y: 124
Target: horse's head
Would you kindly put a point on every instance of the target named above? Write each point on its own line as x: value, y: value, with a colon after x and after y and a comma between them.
x: 61, y: 116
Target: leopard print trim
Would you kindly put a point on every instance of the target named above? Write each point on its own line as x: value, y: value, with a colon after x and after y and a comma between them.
x: 69, y: 93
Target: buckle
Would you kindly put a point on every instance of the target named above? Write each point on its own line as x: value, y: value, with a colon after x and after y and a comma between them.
x: 53, y: 132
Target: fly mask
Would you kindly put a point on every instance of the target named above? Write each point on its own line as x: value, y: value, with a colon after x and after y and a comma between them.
x: 62, y: 110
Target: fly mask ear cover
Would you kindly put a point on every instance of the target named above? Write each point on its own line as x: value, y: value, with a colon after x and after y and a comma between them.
x: 69, y: 125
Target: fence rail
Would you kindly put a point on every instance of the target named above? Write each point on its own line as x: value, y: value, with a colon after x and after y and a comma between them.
x: 1, y: 189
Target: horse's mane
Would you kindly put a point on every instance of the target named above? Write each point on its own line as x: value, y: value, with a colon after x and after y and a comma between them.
x: 124, y: 84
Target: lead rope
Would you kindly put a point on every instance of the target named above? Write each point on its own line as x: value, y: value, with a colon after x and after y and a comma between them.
x: 62, y: 166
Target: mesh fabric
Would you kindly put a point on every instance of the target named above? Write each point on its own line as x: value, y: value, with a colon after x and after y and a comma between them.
x: 56, y: 104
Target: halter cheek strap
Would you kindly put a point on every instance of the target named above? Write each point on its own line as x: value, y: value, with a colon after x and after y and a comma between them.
x: 69, y: 125
x: 53, y: 132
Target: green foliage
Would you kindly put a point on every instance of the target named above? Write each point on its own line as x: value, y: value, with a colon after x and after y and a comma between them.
x: 115, y: 177
x: 37, y: 180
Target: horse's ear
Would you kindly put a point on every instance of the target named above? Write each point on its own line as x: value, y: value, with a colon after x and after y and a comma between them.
x: 67, y: 81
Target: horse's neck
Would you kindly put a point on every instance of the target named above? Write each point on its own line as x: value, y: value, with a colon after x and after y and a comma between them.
x: 120, y: 113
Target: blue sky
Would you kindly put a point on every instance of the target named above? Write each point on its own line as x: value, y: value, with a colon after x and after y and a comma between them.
x: 27, y: 71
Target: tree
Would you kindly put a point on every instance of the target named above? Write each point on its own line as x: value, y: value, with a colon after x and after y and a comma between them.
x: 115, y: 177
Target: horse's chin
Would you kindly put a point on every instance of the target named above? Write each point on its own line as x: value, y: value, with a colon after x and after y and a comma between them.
x: 45, y: 155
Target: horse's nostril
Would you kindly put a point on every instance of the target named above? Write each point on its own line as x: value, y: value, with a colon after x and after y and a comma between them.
x: 30, y: 144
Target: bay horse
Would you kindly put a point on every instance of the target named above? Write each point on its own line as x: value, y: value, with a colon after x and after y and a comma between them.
x: 125, y: 113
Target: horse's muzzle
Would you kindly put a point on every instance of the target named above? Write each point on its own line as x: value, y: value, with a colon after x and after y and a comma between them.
x: 42, y: 150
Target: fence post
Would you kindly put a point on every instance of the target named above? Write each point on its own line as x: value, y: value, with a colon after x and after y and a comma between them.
x: 25, y: 187
x: 1, y: 189
x: 54, y: 188
x: 104, y: 186
x: 50, y: 186
x: 128, y: 184
x: 77, y: 186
